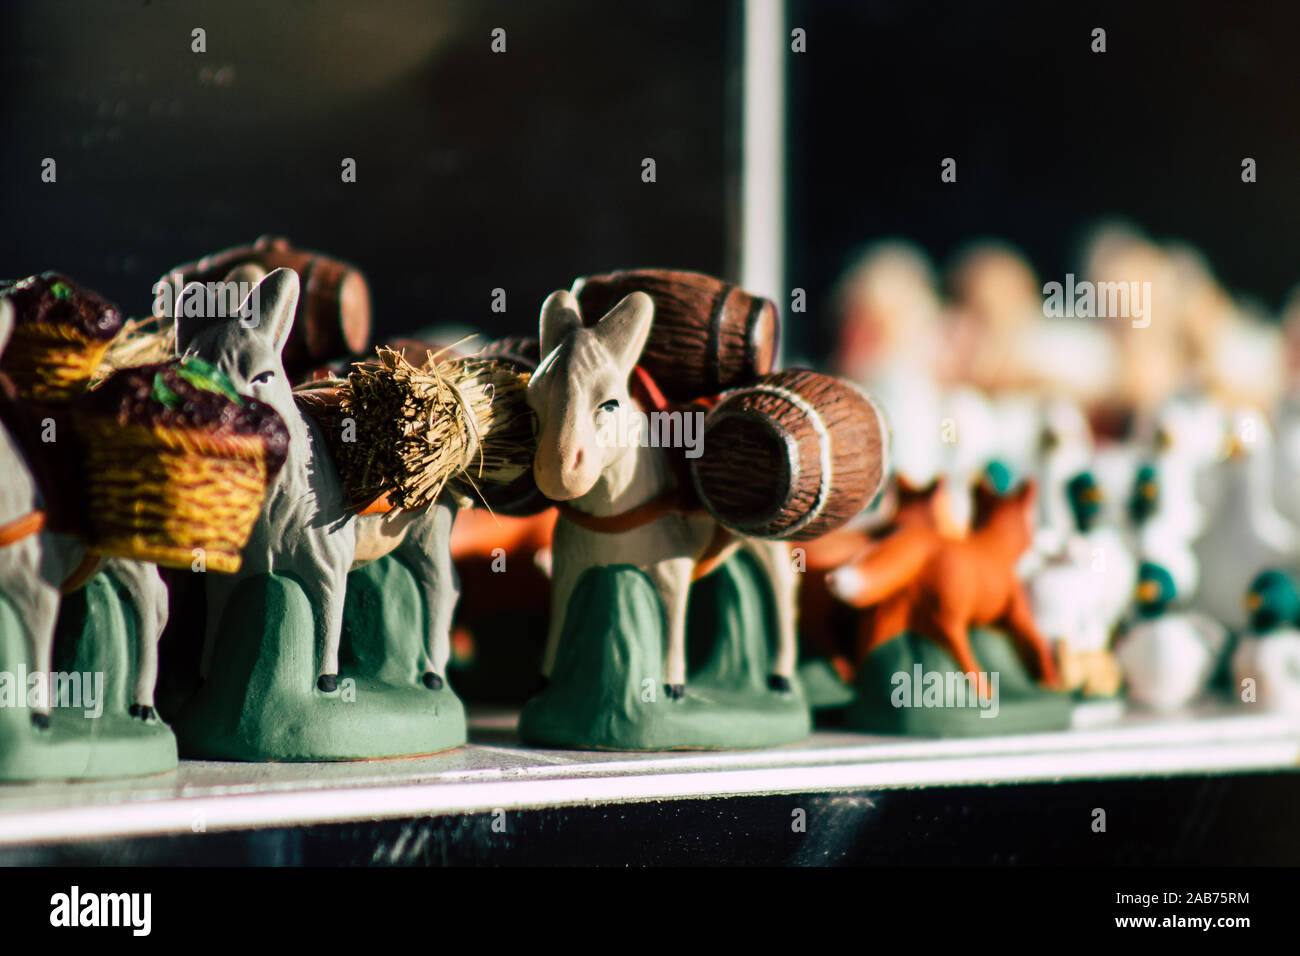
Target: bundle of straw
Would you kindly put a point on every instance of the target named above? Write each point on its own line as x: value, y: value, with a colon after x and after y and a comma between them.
x: 417, y: 428
x: 141, y: 342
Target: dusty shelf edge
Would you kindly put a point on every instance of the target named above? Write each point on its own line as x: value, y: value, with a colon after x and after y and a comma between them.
x: 205, y: 797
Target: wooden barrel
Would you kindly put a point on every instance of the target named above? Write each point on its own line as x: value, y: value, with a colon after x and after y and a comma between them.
x: 333, y: 316
x: 707, y: 336
x: 521, y: 498
x: 522, y: 352
x: 793, y: 456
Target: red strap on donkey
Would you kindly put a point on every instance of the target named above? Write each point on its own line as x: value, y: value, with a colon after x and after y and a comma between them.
x: 680, y: 498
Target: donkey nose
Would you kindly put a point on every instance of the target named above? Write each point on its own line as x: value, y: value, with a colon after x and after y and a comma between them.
x: 577, y: 460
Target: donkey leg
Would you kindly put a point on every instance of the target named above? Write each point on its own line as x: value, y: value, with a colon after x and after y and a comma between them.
x: 774, y: 557
x: 43, y: 611
x: 563, y: 577
x: 35, y: 600
x: 148, y: 596
x: 672, y: 579
x: 326, y: 595
x: 427, y: 550
x: 326, y: 587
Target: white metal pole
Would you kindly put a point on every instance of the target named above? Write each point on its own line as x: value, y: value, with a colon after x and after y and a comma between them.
x: 762, y: 211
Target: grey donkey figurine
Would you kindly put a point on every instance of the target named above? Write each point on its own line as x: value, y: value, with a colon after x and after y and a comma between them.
x: 36, y: 566
x: 306, y: 530
x: 35, y: 569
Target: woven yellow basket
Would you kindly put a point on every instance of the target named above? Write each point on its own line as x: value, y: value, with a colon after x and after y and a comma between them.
x: 52, y: 363
x: 158, y: 493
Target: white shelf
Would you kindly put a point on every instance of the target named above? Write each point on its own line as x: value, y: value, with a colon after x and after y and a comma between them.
x: 497, y: 772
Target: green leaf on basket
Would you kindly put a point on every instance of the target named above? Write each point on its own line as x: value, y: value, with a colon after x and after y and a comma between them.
x: 60, y: 290
x: 205, y: 375
x: 163, y: 394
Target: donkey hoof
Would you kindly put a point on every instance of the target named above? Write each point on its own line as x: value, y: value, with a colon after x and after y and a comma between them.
x: 779, y: 683
x: 432, y: 681
x: 675, y: 691
x: 143, y: 711
x: 41, y: 721
x: 329, y: 683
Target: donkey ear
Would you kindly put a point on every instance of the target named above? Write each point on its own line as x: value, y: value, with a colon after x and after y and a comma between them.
x: 6, y: 323
x: 272, y: 303
x: 625, y: 329
x: 560, y: 317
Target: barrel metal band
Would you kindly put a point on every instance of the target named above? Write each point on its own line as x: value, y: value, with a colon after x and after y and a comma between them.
x: 751, y: 334
x: 713, y: 341
x: 823, y: 447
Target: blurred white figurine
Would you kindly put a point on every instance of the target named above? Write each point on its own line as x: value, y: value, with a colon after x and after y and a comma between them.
x: 1168, y: 656
x: 1064, y: 450
x: 1266, y: 664
x: 1245, y: 533
x: 1159, y: 530
x: 1287, y: 463
x: 1187, y: 437
x: 888, y: 305
x: 1081, y: 594
x: 1104, y: 550
x: 968, y: 434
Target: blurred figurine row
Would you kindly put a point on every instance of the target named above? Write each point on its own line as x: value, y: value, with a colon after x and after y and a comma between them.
x: 1164, y: 545
x: 226, y: 532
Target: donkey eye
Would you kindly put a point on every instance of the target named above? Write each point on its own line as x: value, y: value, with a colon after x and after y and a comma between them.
x: 262, y: 378
x: 609, y: 406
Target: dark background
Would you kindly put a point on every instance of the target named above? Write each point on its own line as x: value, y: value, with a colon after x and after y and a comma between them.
x: 475, y: 170
x: 521, y: 171
x: 1048, y: 136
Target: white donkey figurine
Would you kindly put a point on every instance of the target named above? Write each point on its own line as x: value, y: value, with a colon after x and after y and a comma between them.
x: 36, y: 564
x: 306, y: 527
x: 582, y: 381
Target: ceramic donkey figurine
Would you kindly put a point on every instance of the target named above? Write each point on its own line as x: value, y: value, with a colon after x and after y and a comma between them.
x: 36, y: 565
x: 579, y: 391
x: 307, y: 528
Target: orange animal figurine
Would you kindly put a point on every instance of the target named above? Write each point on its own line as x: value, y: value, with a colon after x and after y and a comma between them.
x: 824, y: 620
x: 940, y: 587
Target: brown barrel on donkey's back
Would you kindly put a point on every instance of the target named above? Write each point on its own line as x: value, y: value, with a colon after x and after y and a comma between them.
x: 333, y: 317
x: 793, y: 456
x: 708, y: 335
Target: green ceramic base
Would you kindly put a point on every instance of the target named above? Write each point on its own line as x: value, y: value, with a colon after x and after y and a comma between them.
x: 607, y: 687
x: 1022, y: 706
x: 260, y: 701
x: 822, y: 685
x: 107, y: 741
